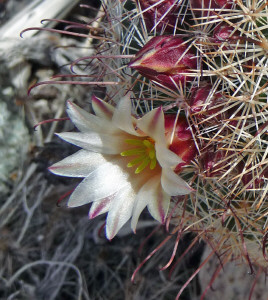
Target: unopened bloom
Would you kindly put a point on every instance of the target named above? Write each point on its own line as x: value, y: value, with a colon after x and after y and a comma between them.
x: 125, y: 163
x: 181, y: 140
x: 160, y: 15
x: 207, y: 7
x: 166, y: 60
x: 224, y: 33
x: 255, y: 178
x: 204, y: 102
x: 214, y: 163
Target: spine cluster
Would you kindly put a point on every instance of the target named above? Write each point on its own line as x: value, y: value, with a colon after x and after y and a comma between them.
x: 207, y: 61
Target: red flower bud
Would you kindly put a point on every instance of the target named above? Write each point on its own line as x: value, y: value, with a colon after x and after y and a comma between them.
x: 203, y: 107
x: 251, y: 179
x: 202, y: 5
x: 224, y: 33
x: 213, y: 164
x: 162, y: 17
x: 164, y: 59
x: 181, y: 140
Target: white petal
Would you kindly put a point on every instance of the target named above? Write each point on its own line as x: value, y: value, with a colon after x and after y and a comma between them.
x: 100, y: 207
x: 102, y: 109
x: 158, y: 199
x: 152, y: 124
x: 159, y: 208
x: 87, y: 122
x: 101, y: 183
x: 120, y: 211
x: 144, y: 196
x: 122, y: 116
x: 173, y: 184
x: 166, y: 158
x: 92, y: 141
x: 80, y: 164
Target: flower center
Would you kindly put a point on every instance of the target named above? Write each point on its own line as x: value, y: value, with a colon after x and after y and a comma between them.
x: 144, y: 153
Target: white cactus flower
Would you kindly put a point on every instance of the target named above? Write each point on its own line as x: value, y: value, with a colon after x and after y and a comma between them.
x: 125, y: 163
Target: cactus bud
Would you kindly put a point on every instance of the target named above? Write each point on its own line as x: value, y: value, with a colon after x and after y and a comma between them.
x: 180, y: 138
x: 203, y: 104
x: 165, y: 59
x: 224, y: 33
x: 253, y: 179
x: 162, y: 17
x: 199, y: 6
x: 213, y: 163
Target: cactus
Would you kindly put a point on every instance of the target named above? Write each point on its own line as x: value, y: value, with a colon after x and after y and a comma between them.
x: 225, y: 102
x: 206, y: 63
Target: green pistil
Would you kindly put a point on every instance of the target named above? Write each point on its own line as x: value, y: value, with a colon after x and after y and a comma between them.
x: 144, y: 152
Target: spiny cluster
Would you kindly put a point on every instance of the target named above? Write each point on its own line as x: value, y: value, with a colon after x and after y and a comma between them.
x: 208, y: 59
x: 205, y: 62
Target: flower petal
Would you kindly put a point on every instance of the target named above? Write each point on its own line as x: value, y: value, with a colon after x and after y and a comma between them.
x: 122, y: 116
x: 87, y: 122
x: 100, y: 207
x: 166, y: 158
x: 80, y: 164
x: 173, y: 184
x: 92, y: 141
x: 144, y: 196
x: 101, y: 183
x: 152, y: 124
x: 102, y: 109
x: 159, y: 200
x: 120, y: 211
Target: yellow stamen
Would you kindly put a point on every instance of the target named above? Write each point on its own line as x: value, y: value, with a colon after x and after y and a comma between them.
x: 134, y: 142
x: 136, y: 161
x: 152, y: 154
x: 143, y: 165
x: 132, y: 152
x: 144, y: 152
x: 148, y: 144
x: 153, y: 163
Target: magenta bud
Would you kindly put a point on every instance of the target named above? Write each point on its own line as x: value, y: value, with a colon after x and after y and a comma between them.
x: 180, y: 139
x: 200, y: 6
x: 203, y: 104
x: 161, y: 17
x: 224, y: 33
x: 165, y: 59
x: 224, y: 3
x: 212, y: 163
x: 252, y: 181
